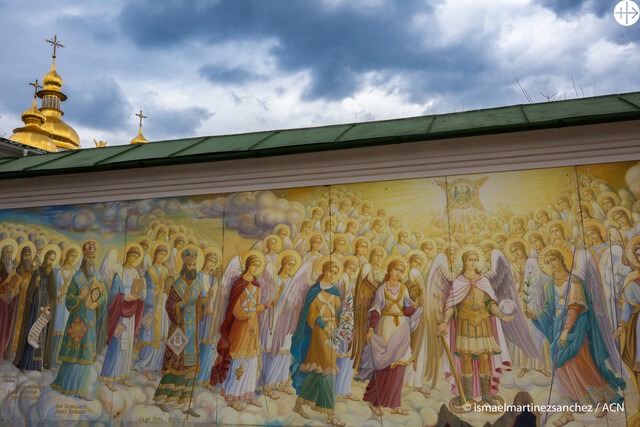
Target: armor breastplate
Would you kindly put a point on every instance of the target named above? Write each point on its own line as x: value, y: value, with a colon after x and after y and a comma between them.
x: 473, y: 308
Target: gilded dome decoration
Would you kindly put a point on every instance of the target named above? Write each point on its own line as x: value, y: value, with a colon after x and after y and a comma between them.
x: 140, y: 139
x: 32, y: 133
x: 63, y: 135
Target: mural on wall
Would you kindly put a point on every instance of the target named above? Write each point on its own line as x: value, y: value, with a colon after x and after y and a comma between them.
x: 414, y: 302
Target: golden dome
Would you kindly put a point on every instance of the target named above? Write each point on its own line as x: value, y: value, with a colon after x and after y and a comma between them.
x: 63, y: 135
x: 52, y: 80
x: 139, y: 139
x: 32, y: 133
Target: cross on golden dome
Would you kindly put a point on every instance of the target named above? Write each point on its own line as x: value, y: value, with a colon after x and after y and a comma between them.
x: 36, y: 86
x: 54, y: 43
x: 141, y: 117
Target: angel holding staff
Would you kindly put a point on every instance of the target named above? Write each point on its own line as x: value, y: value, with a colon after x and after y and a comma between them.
x: 313, y: 354
x: 485, y: 311
x: 392, y: 317
x: 237, y: 365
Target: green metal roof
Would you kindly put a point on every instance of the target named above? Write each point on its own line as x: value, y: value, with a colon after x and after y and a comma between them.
x: 600, y: 109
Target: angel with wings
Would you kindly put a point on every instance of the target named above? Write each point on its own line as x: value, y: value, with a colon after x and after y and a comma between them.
x: 237, y: 367
x: 485, y: 311
x: 574, y: 319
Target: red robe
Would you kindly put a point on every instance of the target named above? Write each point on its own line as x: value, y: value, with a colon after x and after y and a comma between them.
x: 121, y: 308
x: 220, y: 368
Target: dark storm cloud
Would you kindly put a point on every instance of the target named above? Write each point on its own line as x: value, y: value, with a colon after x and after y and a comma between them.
x: 336, y: 45
x: 221, y: 75
x: 98, y: 103
x: 166, y: 123
x: 566, y: 8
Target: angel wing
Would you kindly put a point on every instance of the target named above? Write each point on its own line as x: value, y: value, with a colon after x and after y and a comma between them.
x: 292, y: 300
x: 363, y: 297
x: 417, y: 287
x: 389, y: 243
x: 501, y: 280
x: 553, y: 212
x: 231, y: 274
x: 438, y: 285
x: 586, y: 269
x: 268, y: 288
x: 534, y: 280
x: 626, y: 198
x: 109, y: 267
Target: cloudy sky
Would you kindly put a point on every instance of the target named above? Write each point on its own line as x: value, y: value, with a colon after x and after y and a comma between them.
x: 212, y: 67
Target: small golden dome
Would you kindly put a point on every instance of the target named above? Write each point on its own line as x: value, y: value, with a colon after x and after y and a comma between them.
x: 52, y: 80
x: 139, y: 139
x: 32, y: 133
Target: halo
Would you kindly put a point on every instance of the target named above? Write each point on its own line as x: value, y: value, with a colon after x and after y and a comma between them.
x: 562, y: 224
x: 629, y: 252
x: 54, y: 248
x: 199, y: 257
x: 184, y: 237
x: 514, y: 218
x: 317, y: 265
x: 9, y: 242
x: 280, y: 227
x: 581, y: 205
x: 595, y: 223
x: 24, y: 244
x: 400, y: 230
x: 335, y: 236
x: 419, y: 253
x: 538, y: 211
x: 133, y: 245
x: 489, y: 242
x: 396, y: 257
x: 358, y: 240
x: 534, y: 232
x: 213, y: 250
x: 457, y: 257
x: 98, y: 248
x: 269, y: 237
x: 377, y: 248
x: 247, y: 254
x: 290, y: 252
x: 433, y: 244
x: 618, y: 209
x: 500, y: 234
x: 20, y: 234
x: 566, y: 253
x: 610, y: 194
x: 66, y: 251
x: 510, y: 242
x: 154, y: 248
x: 311, y: 235
x: 353, y: 259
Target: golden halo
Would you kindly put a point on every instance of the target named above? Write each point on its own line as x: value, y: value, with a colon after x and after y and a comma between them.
x: 311, y: 235
x: 514, y: 218
x: 353, y: 259
x: 434, y: 245
x: 539, y: 211
x: 510, y: 242
x: 26, y: 243
x: 213, y: 250
x: 396, y: 257
x: 199, y: 257
x: 290, y: 253
x: 566, y: 253
x: 618, y: 209
x: 9, y: 242
x: 419, y: 253
x: 608, y: 194
x: 457, y: 257
x: 359, y: 240
x: 336, y: 236
x: 630, y: 253
x: 321, y: 261
x: 66, y: 251
x: 490, y: 242
x: 265, y: 247
x: 499, y: 234
x: 528, y: 235
x: 129, y: 246
x: 581, y: 205
x: 247, y: 254
x: 402, y: 230
x: 20, y: 235
x: 592, y: 223
x: 280, y: 227
x: 183, y: 236
x: 377, y: 248
x: 154, y: 248
x: 561, y: 224
x: 54, y: 248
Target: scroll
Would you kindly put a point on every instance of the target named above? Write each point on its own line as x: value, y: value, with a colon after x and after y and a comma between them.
x: 36, y: 329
